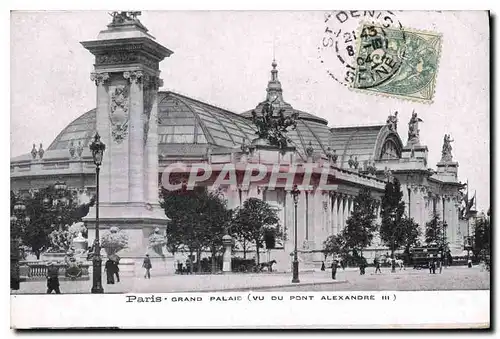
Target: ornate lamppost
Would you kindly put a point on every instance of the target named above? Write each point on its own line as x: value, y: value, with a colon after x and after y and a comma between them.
x: 394, y: 227
x: 295, y: 278
x: 444, y: 256
x: 97, y: 148
x: 19, y: 210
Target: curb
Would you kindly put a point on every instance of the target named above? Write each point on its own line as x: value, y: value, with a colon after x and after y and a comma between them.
x: 242, y: 289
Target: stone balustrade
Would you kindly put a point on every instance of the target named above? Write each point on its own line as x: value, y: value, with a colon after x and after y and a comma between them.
x: 37, y: 270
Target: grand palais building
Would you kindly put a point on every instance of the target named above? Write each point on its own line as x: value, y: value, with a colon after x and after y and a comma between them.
x: 191, y: 131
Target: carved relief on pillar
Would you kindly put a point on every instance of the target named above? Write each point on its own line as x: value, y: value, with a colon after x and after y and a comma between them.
x: 120, y: 57
x: 99, y: 78
x: 133, y: 76
x: 119, y: 113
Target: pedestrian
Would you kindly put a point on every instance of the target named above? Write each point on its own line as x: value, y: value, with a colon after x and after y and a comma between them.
x: 440, y: 263
x: 109, y: 267
x: 469, y: 263
x: 116, y: 270
x: 377, y: 266
x: 147, y: 265
x: 322, y: 265
x: 434, y: 267
x: 334, y: 269
x: 430, y: 267
x: 342, y: 264
x: 52, y: 278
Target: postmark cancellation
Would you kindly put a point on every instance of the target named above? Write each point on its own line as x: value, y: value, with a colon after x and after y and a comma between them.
x: 397, y: 62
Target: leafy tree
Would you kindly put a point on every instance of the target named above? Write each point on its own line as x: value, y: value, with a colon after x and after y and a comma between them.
x: 391, y: 212
x: 482, y: 237
x: 334, y: 245
x: 217, y: 221
x: 253, y: 220
x: 199, y: 220
x: 49, y: 211
x: 360, y: 226
x: 410, y: 234
x: 434, y: 231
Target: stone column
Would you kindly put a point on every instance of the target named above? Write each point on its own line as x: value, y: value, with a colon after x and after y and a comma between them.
x: 136, y: 136
x: 151, y: 131
x: 340, y: 214
x: 334, y: 211
x: 346, y: 211
x: 102, y: 81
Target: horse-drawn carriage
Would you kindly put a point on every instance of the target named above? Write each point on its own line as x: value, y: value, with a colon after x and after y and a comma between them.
x: 421, y: 256
x: 249, y: 265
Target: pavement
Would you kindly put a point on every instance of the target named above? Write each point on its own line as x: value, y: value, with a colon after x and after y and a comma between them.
x: 451, y: 278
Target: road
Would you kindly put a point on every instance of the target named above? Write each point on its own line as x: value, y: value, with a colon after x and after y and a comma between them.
x: 453, y: 278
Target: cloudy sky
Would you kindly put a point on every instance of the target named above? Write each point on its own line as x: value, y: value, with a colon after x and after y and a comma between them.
x: 224, y: 58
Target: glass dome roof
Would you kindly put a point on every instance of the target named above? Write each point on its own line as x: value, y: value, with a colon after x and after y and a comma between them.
x: 189, y: 127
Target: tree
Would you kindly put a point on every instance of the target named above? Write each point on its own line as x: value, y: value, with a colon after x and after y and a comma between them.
x: 391, y: 212
x: 334, y: 245
x: 360, y: 226
x: 185, y: 228
x: 217, y: 220
x: 253, y: 220
x: 199, y: 220
x: 482, y: 237
x: 50, y: 212
x: 434, y: 231
x: 410, y: 232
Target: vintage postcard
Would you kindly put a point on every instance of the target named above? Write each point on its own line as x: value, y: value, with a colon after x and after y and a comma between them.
x: 250, y: 169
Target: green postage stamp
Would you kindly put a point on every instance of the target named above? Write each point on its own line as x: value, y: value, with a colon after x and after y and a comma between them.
x: 397, y: 62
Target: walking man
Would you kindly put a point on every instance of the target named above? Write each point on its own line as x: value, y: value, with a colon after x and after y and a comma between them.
x: 52, y: 278
x: 334, y: 269
x: 377, y: 266
x: 116, y: 270
x: 147, y: 265
x: 109, y: 267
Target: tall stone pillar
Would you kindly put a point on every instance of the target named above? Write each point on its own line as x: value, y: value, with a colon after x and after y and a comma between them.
x: 101, y: 80
x: 126, y: 72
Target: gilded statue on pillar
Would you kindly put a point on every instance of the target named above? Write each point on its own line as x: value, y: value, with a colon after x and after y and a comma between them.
x: 124, y: 17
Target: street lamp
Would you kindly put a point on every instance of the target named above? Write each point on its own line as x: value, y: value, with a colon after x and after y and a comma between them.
x: 295, y: 278
x: 97, y: 148
x: 393, y: 262
x: 444, y: 257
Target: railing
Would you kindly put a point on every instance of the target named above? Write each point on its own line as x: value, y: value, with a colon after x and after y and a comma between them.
x: 38, y: 270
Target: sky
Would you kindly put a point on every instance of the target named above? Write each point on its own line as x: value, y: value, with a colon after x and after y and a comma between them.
x: 224, y: 58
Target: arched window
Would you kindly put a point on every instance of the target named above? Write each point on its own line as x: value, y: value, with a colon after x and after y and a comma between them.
x: 389, y: 151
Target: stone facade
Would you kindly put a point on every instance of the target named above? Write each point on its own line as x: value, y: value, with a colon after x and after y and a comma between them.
x: 127, y: 117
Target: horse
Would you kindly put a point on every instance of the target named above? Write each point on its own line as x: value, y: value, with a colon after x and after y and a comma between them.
x: 268, y: 265
x: 398, y: 262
